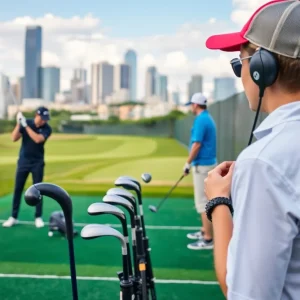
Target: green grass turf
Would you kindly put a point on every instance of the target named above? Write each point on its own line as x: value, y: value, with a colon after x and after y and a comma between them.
x: 89, y: 164
x: 27, y: 250
x: 45, y: 289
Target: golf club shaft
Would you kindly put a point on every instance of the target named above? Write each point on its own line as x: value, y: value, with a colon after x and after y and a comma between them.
x: 150, y: 275
x: 142, y: 262
x: 170, y: 191
x: 73, y: 269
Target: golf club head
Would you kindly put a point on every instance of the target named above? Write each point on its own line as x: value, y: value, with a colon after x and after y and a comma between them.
x: 134, y: 180
x: 120, y: 192
x: 34, y: 194
x: 127, y: 184
x: 117, y: 200
x: 93, y: 231
x: 105, y: 208
x: 153, y: 208
x: 146, y: 177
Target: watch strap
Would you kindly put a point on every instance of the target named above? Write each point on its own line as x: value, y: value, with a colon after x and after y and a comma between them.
x: 212, y: 204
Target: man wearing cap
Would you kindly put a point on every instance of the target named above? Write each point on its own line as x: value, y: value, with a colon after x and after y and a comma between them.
x: 202, y: 159
x: 254, y: 203
x: 34, y: 134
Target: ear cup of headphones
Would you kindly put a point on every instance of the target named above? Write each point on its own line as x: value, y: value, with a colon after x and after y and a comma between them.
x: 264, y: 68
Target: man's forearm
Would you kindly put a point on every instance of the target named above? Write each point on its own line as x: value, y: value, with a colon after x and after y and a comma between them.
x: 193, y: 153
x: 222, y: 230
x: 15, y: 135
x: 37, y: 138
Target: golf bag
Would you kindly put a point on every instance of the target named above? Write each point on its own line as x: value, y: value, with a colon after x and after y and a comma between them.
x: 57, y: 223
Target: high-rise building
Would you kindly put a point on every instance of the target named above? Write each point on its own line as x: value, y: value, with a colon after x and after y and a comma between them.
x: 4, y: 95
x: 163, y: 88
x: 195, y: 85
x: 122, y: 77
x: 224, y: 87
x: 102, y: 82
x: 80, y: 74
x: 131, y: 60
x: 176, y: 98
x: 95, y: 71
x: 33, y: 61
x: 50, y: 79
x: 151, y: 81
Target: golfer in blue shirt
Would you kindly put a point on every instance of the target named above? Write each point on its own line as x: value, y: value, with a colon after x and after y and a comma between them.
x: 34, y: 133
x: 202, y: 159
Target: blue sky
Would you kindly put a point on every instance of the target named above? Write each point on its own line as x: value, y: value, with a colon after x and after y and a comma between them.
x: 131, y: 18
x: 168, y: 34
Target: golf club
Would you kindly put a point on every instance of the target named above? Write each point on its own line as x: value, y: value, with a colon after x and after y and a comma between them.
x: 34, y: 194
x: 105, y: 208
x: 146, y: 177
x: 93, y: 231
x: 131, y: 179
x: 124, y: 194
x: 117, y: 200
x: 156, y: 208
x: 130, y: 185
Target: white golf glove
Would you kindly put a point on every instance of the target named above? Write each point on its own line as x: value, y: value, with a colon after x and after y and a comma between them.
x: 186, y: 168
x: 21, y: 119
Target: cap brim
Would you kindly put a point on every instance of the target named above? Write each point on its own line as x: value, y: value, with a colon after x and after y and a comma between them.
x: 188, y: 103
x: 45, y: 118
x: 229, y: 42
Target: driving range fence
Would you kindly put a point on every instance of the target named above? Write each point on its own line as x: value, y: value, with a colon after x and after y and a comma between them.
x: 234, y: 121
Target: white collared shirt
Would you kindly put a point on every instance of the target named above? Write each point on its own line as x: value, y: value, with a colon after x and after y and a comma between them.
x: 264, y: 252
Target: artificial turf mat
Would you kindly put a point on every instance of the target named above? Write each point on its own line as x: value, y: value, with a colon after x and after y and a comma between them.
x: 27, y: 250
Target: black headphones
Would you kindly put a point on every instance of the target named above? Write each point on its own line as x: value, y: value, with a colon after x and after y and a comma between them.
x: 264, y: 69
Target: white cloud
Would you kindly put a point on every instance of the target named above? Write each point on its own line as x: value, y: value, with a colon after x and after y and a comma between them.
x: 80, y: 41
x: 242, y: 10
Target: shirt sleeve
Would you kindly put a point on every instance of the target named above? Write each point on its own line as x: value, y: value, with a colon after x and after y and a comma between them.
x: 199, y: 130
x: 47, y: 132
x: 263, y: 232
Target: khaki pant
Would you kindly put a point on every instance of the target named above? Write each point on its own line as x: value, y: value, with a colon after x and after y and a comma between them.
x: 199, y: 175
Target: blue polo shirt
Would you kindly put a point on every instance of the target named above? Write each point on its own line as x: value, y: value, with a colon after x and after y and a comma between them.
x: 31, y: 151
x: 204, y: 132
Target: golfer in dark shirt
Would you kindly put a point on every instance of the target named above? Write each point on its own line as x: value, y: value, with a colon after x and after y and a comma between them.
x: 34, y: 134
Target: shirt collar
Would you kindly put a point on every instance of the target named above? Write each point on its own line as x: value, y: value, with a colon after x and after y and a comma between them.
x: 285, y: 113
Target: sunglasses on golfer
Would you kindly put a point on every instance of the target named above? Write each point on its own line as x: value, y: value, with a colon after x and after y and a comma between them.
x: 236, y: 64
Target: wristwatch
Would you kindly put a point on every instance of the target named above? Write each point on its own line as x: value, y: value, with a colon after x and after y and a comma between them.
x: 212, y: 204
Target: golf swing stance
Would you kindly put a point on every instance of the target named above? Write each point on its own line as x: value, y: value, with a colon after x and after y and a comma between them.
x: 34, y: 133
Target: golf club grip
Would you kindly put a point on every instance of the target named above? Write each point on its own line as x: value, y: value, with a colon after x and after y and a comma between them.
x: 144, y: 284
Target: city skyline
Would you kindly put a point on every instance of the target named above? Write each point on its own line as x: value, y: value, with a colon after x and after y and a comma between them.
x: 173, y: 41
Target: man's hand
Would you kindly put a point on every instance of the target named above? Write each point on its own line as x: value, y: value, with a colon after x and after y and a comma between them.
x: 186, y: 169
x: 218, y: 181
x: 21, y: 119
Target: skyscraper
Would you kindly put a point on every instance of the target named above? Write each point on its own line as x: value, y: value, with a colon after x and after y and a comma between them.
x: 102, y: 82
x: 163, y: 88
x: 50, y: 83
x: 122, y: 77
x: 80, y: 74
x: 131, y: 60
x: 4, y: 95
x: 151, y: 81
x: 33, y: 61
x: 224, y: 87
x: 195, y: 85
